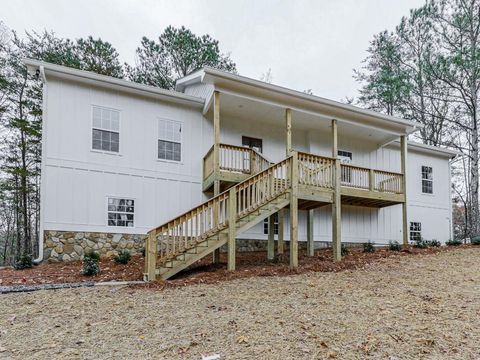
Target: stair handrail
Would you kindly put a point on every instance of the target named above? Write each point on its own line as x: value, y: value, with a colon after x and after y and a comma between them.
x: 263, y: 158
x: 207, y: 219
x: 205, y: 203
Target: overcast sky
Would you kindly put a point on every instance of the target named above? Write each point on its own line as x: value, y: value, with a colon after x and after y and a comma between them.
x: 307, y: 44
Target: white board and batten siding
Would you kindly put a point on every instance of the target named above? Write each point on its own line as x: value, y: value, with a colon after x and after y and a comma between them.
x: 78, y: 180
x: 359, y: 224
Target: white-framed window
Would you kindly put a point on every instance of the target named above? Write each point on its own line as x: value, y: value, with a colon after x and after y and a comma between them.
x: 415, y: 231
x: 121, y: 212
x: 275, y: 224
x: 345, y: 172
x: 169, y: 140
x: 427, y: 180
x: 105, y: 129
x: 345, y: 156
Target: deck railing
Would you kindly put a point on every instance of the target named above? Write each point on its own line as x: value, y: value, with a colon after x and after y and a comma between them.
x: 208, y: 166
x: 194, y: 226
x: 355, y: 176
x: 386, y: 181
x: 237, y: 159
x: 370, y: 179
x: 316, y: 170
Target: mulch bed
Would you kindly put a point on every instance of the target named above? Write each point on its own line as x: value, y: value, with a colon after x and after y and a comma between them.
x: 249, y: 264
x: 67, y: 272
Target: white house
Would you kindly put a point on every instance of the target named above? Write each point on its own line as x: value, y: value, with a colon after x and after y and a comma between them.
x: 120, y: 159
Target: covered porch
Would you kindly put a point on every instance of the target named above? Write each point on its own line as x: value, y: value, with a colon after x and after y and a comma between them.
x: 314, y: 137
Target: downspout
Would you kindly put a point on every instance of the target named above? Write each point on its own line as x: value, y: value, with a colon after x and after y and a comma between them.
x: 42, y: 76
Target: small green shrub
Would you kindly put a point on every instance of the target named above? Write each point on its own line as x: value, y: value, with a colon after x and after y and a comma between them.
x: 394, y: 246
x: 143, y: 252
x: 344, y: 250
x: 123, y: 257
x: 93, y: 255
x: 421, y: 244
x: 454, y: 242
x: 476, y: 240
x: 369, y: 247
x: 434, y: 243
x: 23, y: 261
x: 90, y: 264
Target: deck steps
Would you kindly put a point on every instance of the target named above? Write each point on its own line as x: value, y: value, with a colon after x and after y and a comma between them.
x: 186, y: 258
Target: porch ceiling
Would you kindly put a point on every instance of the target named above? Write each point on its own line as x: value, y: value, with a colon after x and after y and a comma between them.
x: 254, y: 110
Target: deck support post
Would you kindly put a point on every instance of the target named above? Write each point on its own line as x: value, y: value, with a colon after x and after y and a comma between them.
x: 310, y: 243
x: 271, y: 238
x: 232, y: 228
x: 281, y: 221
x: 403, y: 155
x: 151, y: 256
x: 216, y: 162
x: 337, y: 200
x: 288, y: 128
x: 294, y: 211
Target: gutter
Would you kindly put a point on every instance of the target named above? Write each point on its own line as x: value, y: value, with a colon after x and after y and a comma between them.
x: 306, y: 97
x: 88, y: 76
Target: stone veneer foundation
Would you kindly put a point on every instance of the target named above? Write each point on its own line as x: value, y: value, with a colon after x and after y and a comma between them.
x: 67, y: 245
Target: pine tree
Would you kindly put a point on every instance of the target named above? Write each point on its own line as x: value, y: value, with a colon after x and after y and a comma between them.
x: 177, y: 53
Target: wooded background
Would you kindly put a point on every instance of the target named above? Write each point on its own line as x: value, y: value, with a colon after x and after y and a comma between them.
x: 160, y: 62
x: 427, y: 69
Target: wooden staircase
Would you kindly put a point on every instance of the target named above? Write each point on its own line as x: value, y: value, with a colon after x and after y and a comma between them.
x: 203, y: 248
x: 193, y: 235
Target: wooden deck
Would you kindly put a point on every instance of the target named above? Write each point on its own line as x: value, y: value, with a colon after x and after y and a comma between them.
x: 246, y: 188
x: 359, y: 186
x: 301, y: 181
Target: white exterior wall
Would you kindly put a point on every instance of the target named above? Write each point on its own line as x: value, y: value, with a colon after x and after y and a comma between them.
x: 359, y: 224
x: 78, y: 180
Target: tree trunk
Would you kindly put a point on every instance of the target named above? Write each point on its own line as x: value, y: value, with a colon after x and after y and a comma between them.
x: 474, y: 211
x: 24, y: 175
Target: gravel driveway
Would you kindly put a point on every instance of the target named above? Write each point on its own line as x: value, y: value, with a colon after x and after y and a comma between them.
x: 414, y: 307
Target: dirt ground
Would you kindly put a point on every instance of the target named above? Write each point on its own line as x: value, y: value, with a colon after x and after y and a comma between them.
x: 398, y: 307
x: 249, y: 264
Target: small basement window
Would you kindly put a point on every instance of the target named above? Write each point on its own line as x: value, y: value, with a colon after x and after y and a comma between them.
x: 105, y: 129
x: 415, y: 231
x: 427, y: 180
x: 169, y: 140
x: 275, y: 224
x: 121, y: 212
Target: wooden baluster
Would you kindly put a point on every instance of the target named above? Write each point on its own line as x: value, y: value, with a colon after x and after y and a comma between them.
x: 180, y: 234
x: 167, y: 240
x: 161, y: 244
x: 207, y: 218
x: 249, y: 195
